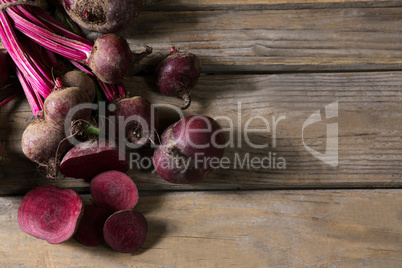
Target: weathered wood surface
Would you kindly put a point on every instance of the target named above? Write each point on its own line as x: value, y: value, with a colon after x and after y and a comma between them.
x: 247, y: 41
x: 369, y: 129
x: 237, y: 229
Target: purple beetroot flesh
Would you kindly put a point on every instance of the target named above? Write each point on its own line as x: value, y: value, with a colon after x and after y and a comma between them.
x: 188, y: 149
x: 125, y: 231
x: 90, y: 228
x: 87, y: 159
x: 104, y: 16
x: 114, y: 190
x: 50, y: 213
x: 178, y: 74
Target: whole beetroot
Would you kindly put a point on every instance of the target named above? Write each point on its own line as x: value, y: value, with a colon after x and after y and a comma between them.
x: 50, y: 213
x: 81, y: 80
x: 136, y: 120
x: 44, y: 145
x: 104, y: 16
x: 189, y: 150
x: 177, y: 74
x: 111, y: 58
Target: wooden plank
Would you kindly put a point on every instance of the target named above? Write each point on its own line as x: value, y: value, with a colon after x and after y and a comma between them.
x: 369, y: 129
x: 241, y: 229
x: 275, y: 40
x: 263, y: 4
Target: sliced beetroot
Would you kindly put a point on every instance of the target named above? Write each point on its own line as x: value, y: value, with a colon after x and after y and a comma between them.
x: 50, y: 213
x: 114, y: 190
x: 87, y: 159
x: 125, y: 231
x: 90, y: 228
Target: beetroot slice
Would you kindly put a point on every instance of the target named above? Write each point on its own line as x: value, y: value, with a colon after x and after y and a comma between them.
x: 89, y: 158
x: 125, y: 231
x: 90, y: 229
x: 114, y: 190
x: 50, y: 213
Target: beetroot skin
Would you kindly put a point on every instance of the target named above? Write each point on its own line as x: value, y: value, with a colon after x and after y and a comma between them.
x: 44, y: 145
x: 60, y: 102
x: 178, y: 74
x: 104, y: 16
x: 139, y: 118
x: 125, y: 231
x: 111, y: 58
x: 87, y: 159
x: 188, y: 149
x: 114, y: 190
x: 50, y: 213
x: 90, y: 228
x: 82, y: 80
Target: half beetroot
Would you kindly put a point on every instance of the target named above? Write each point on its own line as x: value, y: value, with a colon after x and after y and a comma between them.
x: 114, y: 190
x: 90, y: 228
x: 87, y: 159
x: 125, y: 231
x: 50, y: 213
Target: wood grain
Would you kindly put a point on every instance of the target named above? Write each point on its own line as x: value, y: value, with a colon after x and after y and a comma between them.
x: 247, y: 41
x: 242, y: 229
x: 156, y: 5
x: 369, y: 128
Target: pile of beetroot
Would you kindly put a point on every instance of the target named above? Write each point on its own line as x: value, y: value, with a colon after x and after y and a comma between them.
x: 65, y: 78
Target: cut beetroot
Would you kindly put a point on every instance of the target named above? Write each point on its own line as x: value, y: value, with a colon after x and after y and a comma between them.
x: 87, y: 159
x: 90, y: 229
x: 50, y: 213
x: 125, y: 231
x: 114, y: 190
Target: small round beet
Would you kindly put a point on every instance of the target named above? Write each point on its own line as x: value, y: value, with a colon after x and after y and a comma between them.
x: 44, y: 145
x: 125, y: 231
x: 80, y: 79
x: 114, y: 190
x: 189, y: 149
x: 177, y: 74
x: 111, y: 58
x: 136, y: 119
x: 50, y: 213
x: 60, y: 102
x: 104, y: 16
x: 90, y: 228
x: 87, y: 159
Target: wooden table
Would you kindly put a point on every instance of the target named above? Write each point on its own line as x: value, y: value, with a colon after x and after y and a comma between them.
x: 268, y: 66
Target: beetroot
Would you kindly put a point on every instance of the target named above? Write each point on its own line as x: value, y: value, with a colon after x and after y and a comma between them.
x: 90, y: 228
x: 50, y: 213
x: 190, y: 149
x: 44, y: 145
x: 87, y: 159
x: 111, y: 58
x: 104, y: 16
x: 136, y: 119
x: 81, y: 80
x: 125, y: 231
x: 178, y: 74
x: 4, y: 68
x: 114, y: 190
x: 60, y: 102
